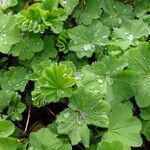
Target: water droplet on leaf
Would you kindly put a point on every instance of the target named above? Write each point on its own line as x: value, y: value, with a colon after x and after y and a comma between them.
x: 109, y: 80
x: 130, y: 37
x: 100, y: 81
x: 66, y: 115
x: 88, y: 47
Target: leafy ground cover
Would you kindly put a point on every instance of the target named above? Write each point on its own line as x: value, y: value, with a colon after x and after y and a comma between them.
x: 74, y: 75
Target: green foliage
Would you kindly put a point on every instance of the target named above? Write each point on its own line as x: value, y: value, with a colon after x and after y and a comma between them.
x: 86, y: 108
x: 54, y: 82
x: 40, y: 17
x: 84, y: 40
x: 116, y: 13
x: 129, y: 34
x: 14, y: 79
x: 9, y: 35
x: 15, y: 107
x: 39, y: 140
x: 74, y: 74
x: 109, y: 78
x: 139, y: 63
x: 126, y: 130
x: 6, y: 128
x: 4, y: 4
x: 112, y: 146
x: 10, y: 144
x: 27, y: 46
x: 89, y: 12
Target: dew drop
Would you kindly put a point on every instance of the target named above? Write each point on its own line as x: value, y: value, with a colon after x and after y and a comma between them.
x: 61, y: 92
x: 96, y: 34
x: 100, y: 81
x: 88, y: 47
x: 3, y: 26
x: 143, y: 58
x: 64, y: 2
x: 119, y: 21
x: 3, y: 35
x: 65, y: 75
x: 66, y: 115
x: 130, y: 37
x: 104, y: 36
x: 109, y: 80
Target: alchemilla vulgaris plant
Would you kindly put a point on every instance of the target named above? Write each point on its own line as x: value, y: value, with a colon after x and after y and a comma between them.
x: 74, y: 74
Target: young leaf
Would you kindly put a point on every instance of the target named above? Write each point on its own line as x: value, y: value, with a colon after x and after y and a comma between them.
x: 84, y: 40
x: 40, y: 17
x: 15, y: 107
x: 123, y: 126
x: 56, y: 82
x: 4, y: 4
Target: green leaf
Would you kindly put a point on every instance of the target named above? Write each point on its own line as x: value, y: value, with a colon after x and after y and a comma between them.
x: 44, y: 139
x: 62, y: 42
x: 145, y: 113
x: 32, y: 19
x: 9, y: 35
x: 129, y: 33
x: 108, y: 6
x: 85, y: 39
x: 4, y: 99
x: 49, y: 47
x: 27, y: 46
x: 123, y: 126
x: 90, y: 11
x: 85, y: 108
x: 56, y: 82
x: 6, y: 128
x: 116, y: 13
x: 40, y: 17
x: 146, y: 129
x: 71, y: 123
x: 14, y: 79
x: 108, y: 78
x: 10, y: 144
x: 93, y: 109
x: 4, y: 4
x: 15, y: 107
x: 139, y: 62
x: 69, y: 5
x: 141, y: 7
x: 112, y: 146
